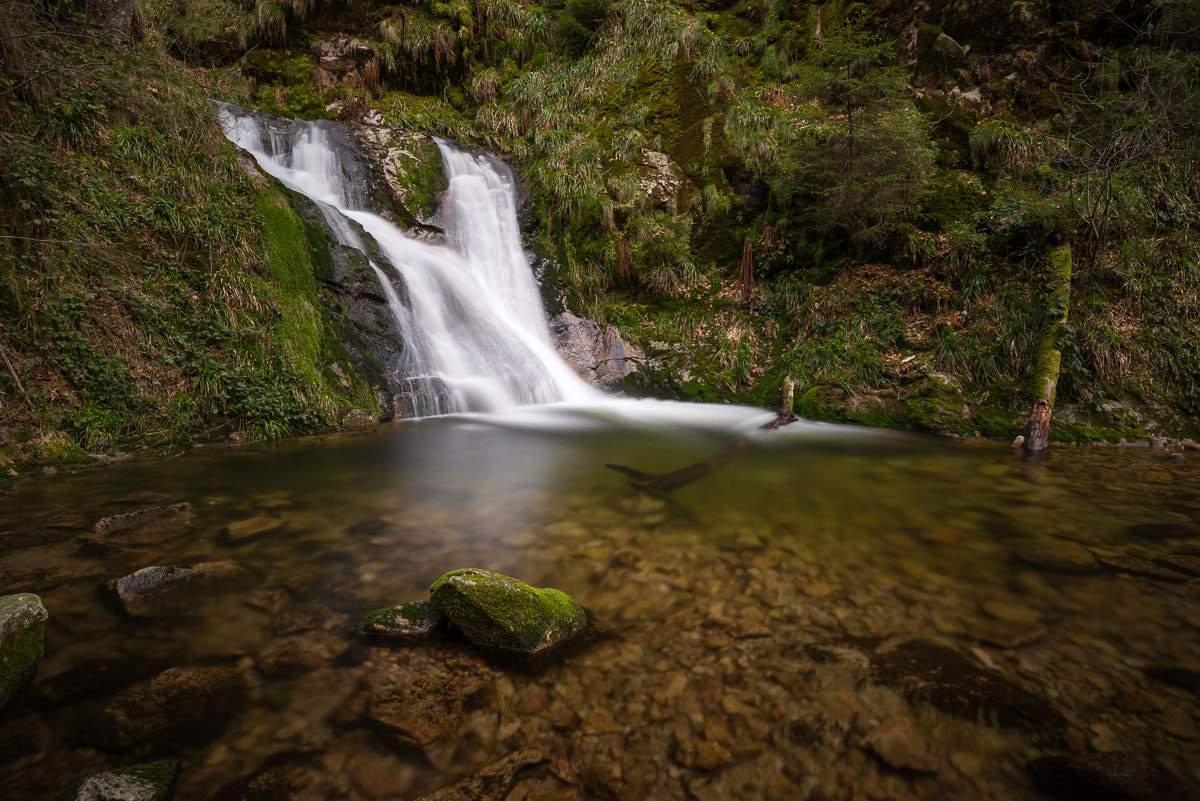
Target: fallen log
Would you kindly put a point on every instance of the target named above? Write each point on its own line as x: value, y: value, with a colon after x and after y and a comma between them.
x: 660, y: 485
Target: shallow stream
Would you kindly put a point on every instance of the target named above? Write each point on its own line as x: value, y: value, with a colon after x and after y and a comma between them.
x: 738, y: 625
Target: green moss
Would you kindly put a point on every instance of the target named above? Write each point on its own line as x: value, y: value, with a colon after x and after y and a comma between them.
x: 402, y: 620
x: 501, y: 612
x: 22, y: 627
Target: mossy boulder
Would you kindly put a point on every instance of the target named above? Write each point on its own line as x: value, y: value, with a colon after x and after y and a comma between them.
x: 403, y: 621
x: 22, y: 632
x: 497, y: 611
x: 149, y: 782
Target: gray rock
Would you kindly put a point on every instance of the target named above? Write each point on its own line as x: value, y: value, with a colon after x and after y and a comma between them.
x: 359, y: 420
x: 149, y: 782
x: 22, y: 637
x: 164, y: 590
x: 144, y: 527
x: 596, y: 352
x: 185, y: 704
x: 948, y: 48
x: 122, y: 16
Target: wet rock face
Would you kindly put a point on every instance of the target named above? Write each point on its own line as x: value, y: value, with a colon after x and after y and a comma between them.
x: 165, y: 589
x: 500, y: 612
x: 184, y: 704
x: 1108, y: 776
x: 597, y: 353
x: 22, y: 633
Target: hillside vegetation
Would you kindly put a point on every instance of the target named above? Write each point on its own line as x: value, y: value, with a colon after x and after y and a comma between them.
x: 846, y: 204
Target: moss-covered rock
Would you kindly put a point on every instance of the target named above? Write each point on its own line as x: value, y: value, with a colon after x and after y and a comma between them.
x: 149, y: 782
x: 22, y: 632
x: 501, y: 612
x: 405, y: 621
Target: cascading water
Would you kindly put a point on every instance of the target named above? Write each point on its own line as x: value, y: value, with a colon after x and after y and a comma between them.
x: 470, y: 314
x: 474, y: 330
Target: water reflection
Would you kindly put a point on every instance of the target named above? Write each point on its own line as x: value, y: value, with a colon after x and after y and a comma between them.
x: 712, y: 603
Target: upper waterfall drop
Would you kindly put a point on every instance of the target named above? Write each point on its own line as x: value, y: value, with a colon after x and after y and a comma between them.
x: 470, y: 313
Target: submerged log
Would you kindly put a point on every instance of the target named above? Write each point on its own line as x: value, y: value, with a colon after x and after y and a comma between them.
x: 1045, y: 374
x: 660, y: 485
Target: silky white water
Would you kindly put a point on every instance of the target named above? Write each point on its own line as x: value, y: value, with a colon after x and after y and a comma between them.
x: 469, y: 312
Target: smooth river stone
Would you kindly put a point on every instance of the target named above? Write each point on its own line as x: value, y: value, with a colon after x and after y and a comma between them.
x: 1061, y: 556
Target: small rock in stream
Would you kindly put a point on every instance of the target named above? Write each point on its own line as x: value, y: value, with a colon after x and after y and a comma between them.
x: 501, y: 612
x: 163, y: 589
x: 419, y: 711
x: 143, y: 527
x: 1181, y: 677
x: 252, y: 528
x: 492, y: 783
x: 1142, y: 567
x: 22, y: 636
x: 897, y: 743
x: 187, y: 704
x: 1062, y: 556
x: 406, y: 621
x: 928, y: 672
x: 1181, y: 562
x: 1107, y: 776
x: 149, y: 782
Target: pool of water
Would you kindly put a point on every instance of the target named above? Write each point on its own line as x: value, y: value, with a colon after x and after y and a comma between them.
x: 738, y: 622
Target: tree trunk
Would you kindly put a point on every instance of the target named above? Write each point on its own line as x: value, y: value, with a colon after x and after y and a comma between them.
x: 1045, y: 374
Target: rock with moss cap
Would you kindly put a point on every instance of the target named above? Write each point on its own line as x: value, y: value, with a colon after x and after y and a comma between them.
x: 149, y: 782
x: 407, y: 621
x: 497, y: 611
x: 22, y: 632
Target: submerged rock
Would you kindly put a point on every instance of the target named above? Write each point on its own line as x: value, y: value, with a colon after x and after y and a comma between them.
x: 1108, y: 776
x: 492, y: 783
x: 897, y: 743
x: 149, y: 782
x: 143, y: 527
x: 252, y: 528
x: 928, y: 672
x: 404, y: 621
x: 189, y: 704
x: 419, y: 712
x: 164, y: 589
x: 1061, y: 556
x: 22, y: 635
x: 498, y: 611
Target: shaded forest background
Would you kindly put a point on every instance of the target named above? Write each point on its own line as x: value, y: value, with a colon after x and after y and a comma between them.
x: 850, y: 205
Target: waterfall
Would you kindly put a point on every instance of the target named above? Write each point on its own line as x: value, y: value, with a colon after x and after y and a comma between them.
x: 470, y: 313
